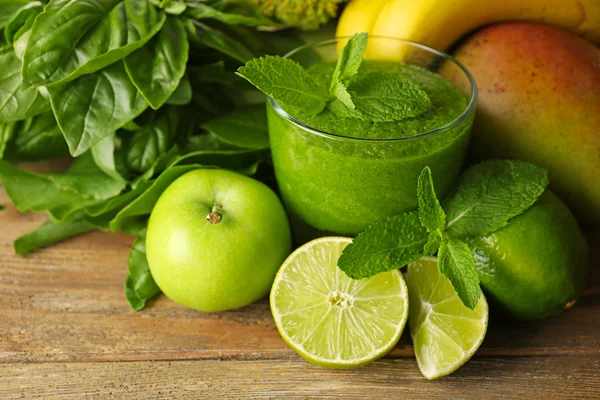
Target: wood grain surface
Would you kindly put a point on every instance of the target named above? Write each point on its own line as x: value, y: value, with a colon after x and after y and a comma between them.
x: 67, y: 332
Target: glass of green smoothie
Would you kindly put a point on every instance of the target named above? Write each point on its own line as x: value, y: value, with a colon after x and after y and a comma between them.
x: 338, y: 175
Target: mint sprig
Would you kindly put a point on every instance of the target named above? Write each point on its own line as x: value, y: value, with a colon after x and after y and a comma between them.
x: 371, y: 96
x: 482, y: 203
x: 347, y: 67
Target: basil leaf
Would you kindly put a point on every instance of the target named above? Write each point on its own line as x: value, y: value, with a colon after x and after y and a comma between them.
x: 200, y: 11
x: 103, y: 153
x: 7, y: 131
x: 8, y: 8
x: 94, y: 106
x: 157, y: 68
x: 183, y: 94
x: 225, y: 44
x: 24, y: 17
x: 73, y: 38
x: 38, y: 138
x: 49, y: 233
x: 147, y: 144
x: 242, y: 127
x: 139, y: 284
x: 16, y: 104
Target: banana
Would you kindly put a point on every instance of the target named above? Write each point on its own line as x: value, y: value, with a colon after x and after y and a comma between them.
x: 440, y: 23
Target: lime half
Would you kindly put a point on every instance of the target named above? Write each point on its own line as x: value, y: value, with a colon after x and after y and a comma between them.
x: 445, y: 332
x: 330, y: 319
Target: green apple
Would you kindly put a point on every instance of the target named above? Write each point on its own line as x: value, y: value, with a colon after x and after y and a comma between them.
x: 216, y: 239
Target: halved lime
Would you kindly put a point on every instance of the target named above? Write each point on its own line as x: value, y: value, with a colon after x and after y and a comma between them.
x: 330, y: 319
x: 445, y: 332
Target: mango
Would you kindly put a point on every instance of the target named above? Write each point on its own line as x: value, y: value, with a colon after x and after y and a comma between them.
x: 539, y: 101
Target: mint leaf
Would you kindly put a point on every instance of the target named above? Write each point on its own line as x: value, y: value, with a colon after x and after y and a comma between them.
x: 489, y: 194
x: 387, y: 244
x: 455, y: 262
x: 347, y: 66
x: 431, y: 214
x: 286, y: 82
x: 433, y: 243
x: 385, y: 97
x: 340, y: 91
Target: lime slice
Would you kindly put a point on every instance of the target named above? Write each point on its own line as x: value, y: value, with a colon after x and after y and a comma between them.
x: 445, y: 332
x: 330, y: 319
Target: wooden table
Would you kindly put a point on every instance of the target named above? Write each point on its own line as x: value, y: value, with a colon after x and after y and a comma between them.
x: 67, y: 332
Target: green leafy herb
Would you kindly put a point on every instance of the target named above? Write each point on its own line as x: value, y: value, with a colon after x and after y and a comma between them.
x: 73, y: 38
x: 200, y: 11
x: 431, y: 214
x: 222, y: 42
x: 242, y: 127
x: 8, y: 8
x: 103, y: 153
x: 95, y: 106
x: 139, y: 285
x: 49, y: 233
x: 457, y: 264
x: 385, y: 97
x: 183, y: 94
x: 146, y: 145
x: 37, y: 138
x: 286, y: 82
x: 7, y: 131
x: 21, y: 20
x: 387, y: 244
x: 157, y: 68
x: 16, y: 104
x: 347, y: 67
x: 489, y: 194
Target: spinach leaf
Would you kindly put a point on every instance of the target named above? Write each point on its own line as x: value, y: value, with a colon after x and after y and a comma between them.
x: 242, y: 127
x: 49, y: 233
x: 147, y: 144
x: 139, y: 284
x: 157, y: 68
x: 37, y: 138
x: 73, y: 38
x: 16, y: 104
x: 235, y: 159
x: 94, y: 106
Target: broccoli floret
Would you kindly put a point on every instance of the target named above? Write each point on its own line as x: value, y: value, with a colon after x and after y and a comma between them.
x: 303, y: 14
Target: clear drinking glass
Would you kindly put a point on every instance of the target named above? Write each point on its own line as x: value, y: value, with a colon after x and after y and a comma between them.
x: 335, y: 184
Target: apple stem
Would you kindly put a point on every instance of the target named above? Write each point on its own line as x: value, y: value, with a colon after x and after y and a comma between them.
x: 216, y: 215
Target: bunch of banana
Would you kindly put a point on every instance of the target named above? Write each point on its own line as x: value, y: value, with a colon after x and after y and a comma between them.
x: 439, y: 23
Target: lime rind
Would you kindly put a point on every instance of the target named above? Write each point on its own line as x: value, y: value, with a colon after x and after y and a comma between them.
x: 330, y: 319
x: 445, y: 332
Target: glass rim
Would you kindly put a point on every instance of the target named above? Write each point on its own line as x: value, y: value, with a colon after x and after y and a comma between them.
x: 450, y: 125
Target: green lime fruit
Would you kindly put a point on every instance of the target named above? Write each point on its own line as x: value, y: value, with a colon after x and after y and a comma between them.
x: 216, y: 239
x: 445, y: 332
x: 330, y: 319
x: 536, y: 266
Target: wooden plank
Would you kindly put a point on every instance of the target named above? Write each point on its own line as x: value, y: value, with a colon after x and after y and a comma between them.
x: 66, y: 303
x: 494, y: 378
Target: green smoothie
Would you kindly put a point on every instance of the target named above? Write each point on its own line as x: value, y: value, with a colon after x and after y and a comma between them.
x: 339, y: 175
